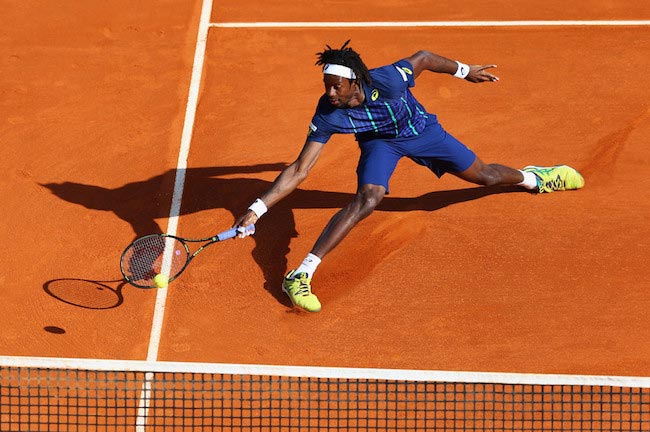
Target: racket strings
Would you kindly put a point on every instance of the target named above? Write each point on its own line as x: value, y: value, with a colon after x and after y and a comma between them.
x: 152, y: 255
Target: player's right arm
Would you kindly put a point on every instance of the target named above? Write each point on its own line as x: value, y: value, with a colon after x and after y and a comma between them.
x: 287, y: 181
x: 294, y: 174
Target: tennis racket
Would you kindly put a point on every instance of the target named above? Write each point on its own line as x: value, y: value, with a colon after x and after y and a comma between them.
x: 164, y: 254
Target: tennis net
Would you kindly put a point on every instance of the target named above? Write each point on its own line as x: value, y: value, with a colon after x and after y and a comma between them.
x: 51, y: 394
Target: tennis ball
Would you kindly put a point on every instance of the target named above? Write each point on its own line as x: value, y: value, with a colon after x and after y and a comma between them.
x: 161, y: 280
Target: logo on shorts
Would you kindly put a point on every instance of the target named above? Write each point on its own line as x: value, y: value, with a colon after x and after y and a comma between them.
x: 407, y: 70
x: 374, y: 95
x: 312, y: 129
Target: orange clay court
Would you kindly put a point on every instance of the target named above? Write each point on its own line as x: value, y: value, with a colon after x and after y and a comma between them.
x: 443, y: 276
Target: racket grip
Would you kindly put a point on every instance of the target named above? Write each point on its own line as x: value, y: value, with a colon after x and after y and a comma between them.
x: 232, y: 232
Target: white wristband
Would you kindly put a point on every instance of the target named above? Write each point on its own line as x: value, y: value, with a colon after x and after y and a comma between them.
x: 462, y: 71
x: 258, y: 207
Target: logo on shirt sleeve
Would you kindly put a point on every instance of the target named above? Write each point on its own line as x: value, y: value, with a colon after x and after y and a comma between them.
x: 312, y: 129
x: 404, y: 71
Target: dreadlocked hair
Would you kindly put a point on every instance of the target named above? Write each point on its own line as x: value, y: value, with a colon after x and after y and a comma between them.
x: 345, y: 56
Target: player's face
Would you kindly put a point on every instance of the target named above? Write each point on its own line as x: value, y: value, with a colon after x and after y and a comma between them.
x: 339, y: 90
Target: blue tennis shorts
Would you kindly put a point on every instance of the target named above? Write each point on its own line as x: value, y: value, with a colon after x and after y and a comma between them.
x: 434, y: 148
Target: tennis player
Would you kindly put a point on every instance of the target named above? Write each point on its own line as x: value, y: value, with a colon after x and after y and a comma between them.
x: 378, y: 107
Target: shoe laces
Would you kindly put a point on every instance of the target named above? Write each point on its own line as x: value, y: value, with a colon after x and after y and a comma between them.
x: 303, y: 288
x: 555, y: 183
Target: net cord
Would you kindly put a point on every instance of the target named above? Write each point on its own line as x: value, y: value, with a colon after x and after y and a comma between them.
x: 325, y: 372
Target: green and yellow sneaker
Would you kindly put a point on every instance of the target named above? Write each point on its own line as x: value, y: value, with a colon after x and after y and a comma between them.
x: 298, y: 288
x: 556, y: 178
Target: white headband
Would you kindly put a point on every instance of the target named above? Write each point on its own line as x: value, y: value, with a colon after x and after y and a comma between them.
x: 339, y: 70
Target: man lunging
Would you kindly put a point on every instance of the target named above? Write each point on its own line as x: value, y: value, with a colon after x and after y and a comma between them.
x: 378, y: 107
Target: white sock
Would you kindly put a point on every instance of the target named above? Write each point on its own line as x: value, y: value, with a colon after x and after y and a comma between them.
x: 309, y: 265
x: 530, y: 180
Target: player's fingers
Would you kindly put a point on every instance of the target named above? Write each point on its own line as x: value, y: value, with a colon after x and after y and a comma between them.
x: 245, y: 231
x: 481, y: 75
x: 490, y: 77
x: 247, y: 220
x: 490, y: 66
x: 482, y: 71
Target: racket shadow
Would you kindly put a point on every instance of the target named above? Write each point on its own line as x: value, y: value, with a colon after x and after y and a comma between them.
x: 86, y: 293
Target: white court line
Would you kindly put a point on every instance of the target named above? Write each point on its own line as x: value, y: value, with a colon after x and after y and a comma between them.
x: 179, y: 183
x: 181, y: 166
x: 334, y: 24
x: 325, y: 372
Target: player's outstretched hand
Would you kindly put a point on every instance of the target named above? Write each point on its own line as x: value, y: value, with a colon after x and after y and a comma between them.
x: 479, y: 73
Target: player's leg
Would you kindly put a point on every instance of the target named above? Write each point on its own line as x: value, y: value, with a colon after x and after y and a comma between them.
x: 376, y: 165
x: 297, y: 283
x: 495, y: 175
x: 364, y: 202
x: 442, y: 153
x: 540, y: 179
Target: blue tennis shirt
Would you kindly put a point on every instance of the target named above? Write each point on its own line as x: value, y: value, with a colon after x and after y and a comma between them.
x: 389, y: 111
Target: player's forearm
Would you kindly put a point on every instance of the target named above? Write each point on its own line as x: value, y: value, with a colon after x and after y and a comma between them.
x: 284, y: 184
x: 294, y: 174
x: 426, y: 60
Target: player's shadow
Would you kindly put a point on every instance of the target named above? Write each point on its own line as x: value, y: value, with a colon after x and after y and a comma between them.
x: 141, y: 203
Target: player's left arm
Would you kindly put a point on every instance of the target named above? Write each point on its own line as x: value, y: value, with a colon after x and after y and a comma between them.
x: 426, y: 60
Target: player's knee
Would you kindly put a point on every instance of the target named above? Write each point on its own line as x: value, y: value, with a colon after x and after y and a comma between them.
x: 480, y: 174
x: 369, y: 197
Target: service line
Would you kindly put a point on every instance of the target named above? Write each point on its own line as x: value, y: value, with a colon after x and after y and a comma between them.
x: 333, y: 24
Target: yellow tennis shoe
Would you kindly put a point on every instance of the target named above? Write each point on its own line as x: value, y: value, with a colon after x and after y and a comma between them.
x: 556, y: 178
x: 298, y: 288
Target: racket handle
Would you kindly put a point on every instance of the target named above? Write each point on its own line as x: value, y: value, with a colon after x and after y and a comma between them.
x: 232, y: 232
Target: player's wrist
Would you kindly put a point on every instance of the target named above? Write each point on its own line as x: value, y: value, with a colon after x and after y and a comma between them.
x: 462, y: 71
x: 258, y: 207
